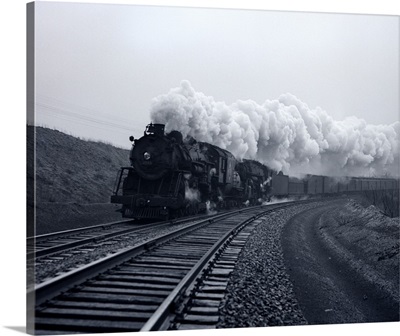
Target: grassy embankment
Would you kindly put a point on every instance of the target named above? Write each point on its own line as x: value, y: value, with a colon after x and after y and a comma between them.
x: 74, y: 180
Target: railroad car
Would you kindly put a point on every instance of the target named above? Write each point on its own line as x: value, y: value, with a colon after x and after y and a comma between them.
x: 351, y: 185
x: 314, y: 185
x: 343, y: 186
x: 171, y: 177
x: 296, y: 187
x: 280, y: 185
x: 330, y: 185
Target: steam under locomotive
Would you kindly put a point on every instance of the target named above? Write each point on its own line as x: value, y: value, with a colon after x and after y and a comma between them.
x: 171, y: 177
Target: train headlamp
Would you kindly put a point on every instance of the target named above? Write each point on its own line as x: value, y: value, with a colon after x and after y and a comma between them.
x: 147, y: 156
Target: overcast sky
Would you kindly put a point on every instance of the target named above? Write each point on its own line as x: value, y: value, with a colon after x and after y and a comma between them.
x: 99, y: 66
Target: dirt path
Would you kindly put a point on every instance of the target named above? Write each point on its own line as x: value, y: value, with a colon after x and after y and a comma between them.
x: 332, y: 282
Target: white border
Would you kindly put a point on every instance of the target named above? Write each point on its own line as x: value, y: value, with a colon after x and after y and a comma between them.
x: 13, y: 76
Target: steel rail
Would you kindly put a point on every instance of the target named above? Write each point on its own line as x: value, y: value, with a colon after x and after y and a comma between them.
x: 62, y: 247
x: 161, y: 316
x: 80, y: 242
x: 51, y: 288
x: 77, y: 230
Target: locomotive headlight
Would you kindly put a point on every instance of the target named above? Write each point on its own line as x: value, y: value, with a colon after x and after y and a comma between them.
x: 147, y: 156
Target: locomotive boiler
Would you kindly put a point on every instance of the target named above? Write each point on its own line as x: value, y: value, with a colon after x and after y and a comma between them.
x: 172, y: 177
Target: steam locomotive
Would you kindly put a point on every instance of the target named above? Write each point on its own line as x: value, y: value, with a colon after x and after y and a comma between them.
x: 171, y: 177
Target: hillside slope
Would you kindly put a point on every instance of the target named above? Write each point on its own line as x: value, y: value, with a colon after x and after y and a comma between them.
x: 74, y: 180
x: 69, y: 169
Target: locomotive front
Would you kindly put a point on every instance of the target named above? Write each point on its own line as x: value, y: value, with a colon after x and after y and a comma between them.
x: 155, y: 155
x: 154, y: 185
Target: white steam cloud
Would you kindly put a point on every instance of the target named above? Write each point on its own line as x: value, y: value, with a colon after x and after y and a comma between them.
x: 284, y: 134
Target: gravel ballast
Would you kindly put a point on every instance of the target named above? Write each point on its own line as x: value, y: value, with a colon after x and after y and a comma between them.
x: 259, y: 292
x: 263, y: 292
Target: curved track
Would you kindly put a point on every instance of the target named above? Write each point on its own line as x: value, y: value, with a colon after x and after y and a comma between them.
x: 137, y: 289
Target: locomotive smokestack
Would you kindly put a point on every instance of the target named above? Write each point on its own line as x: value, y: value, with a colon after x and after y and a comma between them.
x: 157, y: 129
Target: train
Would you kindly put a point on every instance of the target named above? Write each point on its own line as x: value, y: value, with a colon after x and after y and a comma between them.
x: 170, y: 177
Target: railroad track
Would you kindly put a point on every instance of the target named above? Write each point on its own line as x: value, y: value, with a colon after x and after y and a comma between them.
x: 48, y: 244
x: 65, y: 251
x: 174, y: 281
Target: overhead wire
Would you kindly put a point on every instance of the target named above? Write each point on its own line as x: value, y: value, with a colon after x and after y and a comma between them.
x: 57, y: 112
x: 82, y: 115
x: 82, y: 109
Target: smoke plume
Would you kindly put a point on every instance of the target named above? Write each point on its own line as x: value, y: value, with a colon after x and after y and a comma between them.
x: 284, y: 134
